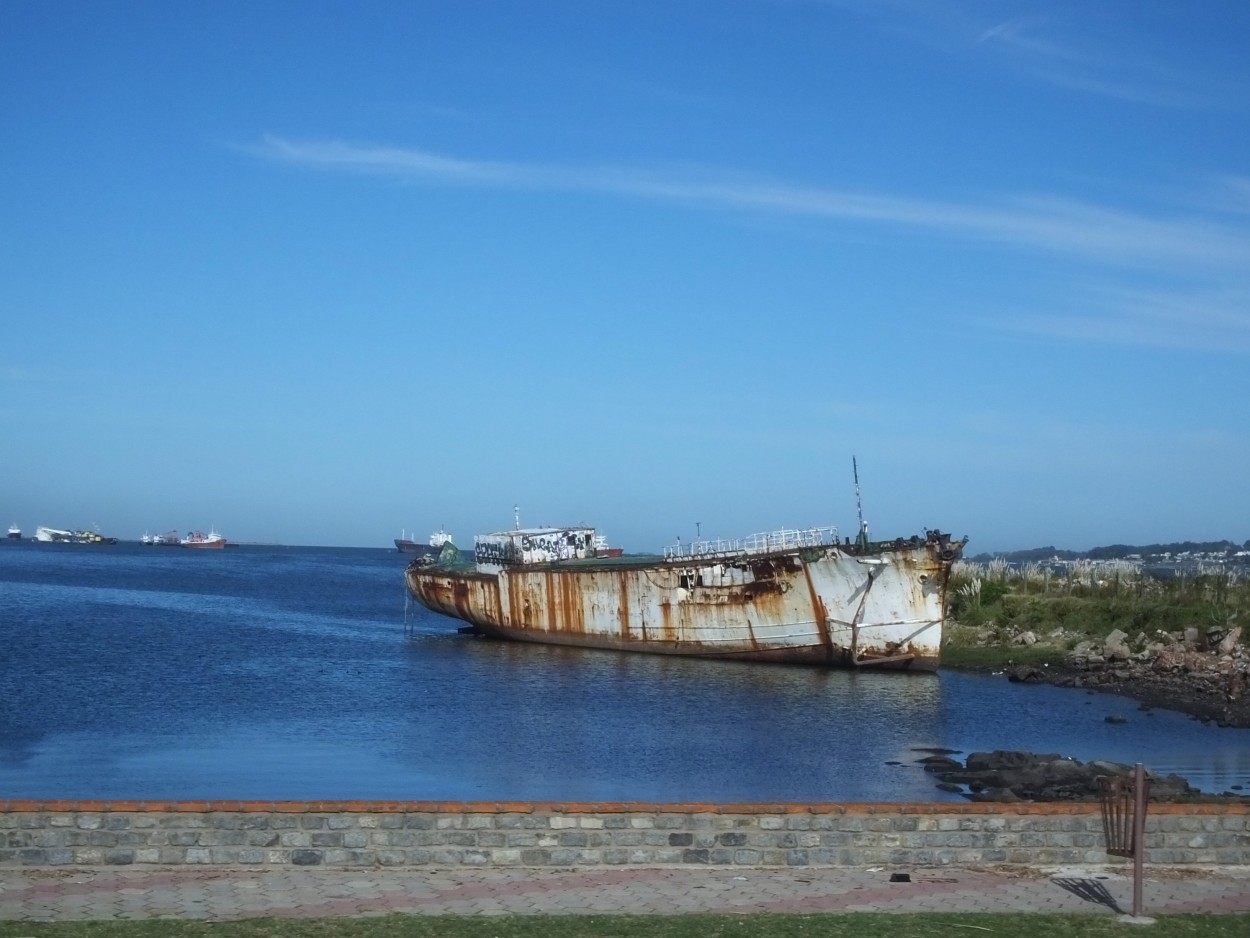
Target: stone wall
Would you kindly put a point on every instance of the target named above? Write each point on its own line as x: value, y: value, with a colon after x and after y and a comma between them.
x: 449, y: 834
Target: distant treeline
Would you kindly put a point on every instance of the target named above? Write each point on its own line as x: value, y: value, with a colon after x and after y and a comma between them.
x: 1121, y: 551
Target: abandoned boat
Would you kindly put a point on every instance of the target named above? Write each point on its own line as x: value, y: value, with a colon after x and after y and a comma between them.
x: 792, y: 596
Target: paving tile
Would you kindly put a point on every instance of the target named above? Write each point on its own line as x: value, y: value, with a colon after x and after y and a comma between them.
x: 229, y: 893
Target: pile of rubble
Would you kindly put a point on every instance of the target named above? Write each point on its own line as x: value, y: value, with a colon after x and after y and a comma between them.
x: 1205, y: 673
x: 1016, y: 775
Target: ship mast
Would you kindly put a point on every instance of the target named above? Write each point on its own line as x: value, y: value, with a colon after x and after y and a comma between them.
x: 861, y: 539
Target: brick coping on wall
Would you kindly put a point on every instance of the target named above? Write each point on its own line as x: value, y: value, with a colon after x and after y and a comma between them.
x: 35, y: 806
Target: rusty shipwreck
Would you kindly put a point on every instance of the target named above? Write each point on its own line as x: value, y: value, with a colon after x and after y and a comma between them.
x: 792, y: 596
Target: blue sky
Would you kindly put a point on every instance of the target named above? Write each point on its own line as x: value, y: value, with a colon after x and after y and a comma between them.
x: 317, y: 272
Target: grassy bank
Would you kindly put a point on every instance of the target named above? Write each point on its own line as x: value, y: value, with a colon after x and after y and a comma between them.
x: 1034, y: 614
x: 843, y: 925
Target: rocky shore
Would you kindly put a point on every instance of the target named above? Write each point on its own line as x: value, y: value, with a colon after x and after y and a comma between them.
x: 1017, y: 775
x: 1202, y: 672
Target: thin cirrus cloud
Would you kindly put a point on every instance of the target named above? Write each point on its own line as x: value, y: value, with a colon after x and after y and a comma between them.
x: 1047, y: 223
x: 1084, y: 51
x: 1206, y: 321
x: 1028, y: 45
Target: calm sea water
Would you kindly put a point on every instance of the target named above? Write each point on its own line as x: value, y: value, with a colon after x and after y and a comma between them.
x: 303, y: 673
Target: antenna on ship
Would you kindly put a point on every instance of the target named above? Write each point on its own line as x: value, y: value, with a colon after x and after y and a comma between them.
x: 861, y: 539
x: 516, y: 514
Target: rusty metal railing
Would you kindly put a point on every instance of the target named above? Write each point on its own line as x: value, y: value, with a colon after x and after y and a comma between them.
x: 783, y: 539
x: 1124, y: 822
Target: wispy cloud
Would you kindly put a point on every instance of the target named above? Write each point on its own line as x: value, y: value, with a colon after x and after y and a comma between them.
x: 1032, y: 45
x: 1090, y: 49
x: 1205, y: 321
x: 1047, y: 223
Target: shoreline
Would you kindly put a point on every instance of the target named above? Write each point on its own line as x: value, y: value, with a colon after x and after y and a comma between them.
x: 1189, y: 694
x: 1162, y: 692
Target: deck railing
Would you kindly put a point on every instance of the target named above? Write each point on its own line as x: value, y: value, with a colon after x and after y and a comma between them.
x: 783, y: 539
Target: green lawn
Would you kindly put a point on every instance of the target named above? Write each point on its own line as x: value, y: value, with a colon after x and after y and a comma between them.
x: 849, y: 925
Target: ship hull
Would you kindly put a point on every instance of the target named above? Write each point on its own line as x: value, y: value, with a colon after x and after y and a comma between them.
x: 830, y: 605
x: 412, y: 547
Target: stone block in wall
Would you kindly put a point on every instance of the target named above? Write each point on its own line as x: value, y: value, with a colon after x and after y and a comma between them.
x: 571, y: 856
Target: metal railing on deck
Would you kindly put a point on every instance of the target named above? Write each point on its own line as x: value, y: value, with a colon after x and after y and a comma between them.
x: 783, y: 539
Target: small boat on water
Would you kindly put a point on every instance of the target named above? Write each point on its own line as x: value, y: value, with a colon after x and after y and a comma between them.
x: 790, y: 596
x: 405, y: 545
x: 60, y: 536
x: 199, y: 539
x: 15, y: 533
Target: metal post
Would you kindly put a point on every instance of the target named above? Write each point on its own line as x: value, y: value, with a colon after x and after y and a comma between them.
x: 1124, y: 823
x: 1139, y: 835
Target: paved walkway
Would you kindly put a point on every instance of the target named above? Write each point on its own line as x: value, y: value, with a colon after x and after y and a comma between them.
x: 215, y: 894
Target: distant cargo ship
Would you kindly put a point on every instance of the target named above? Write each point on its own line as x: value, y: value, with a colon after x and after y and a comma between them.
x: 162, y: 540
x: 59, y: 536
x: 15, y: 533
x: 406, y: 545
x: 199, y: 539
